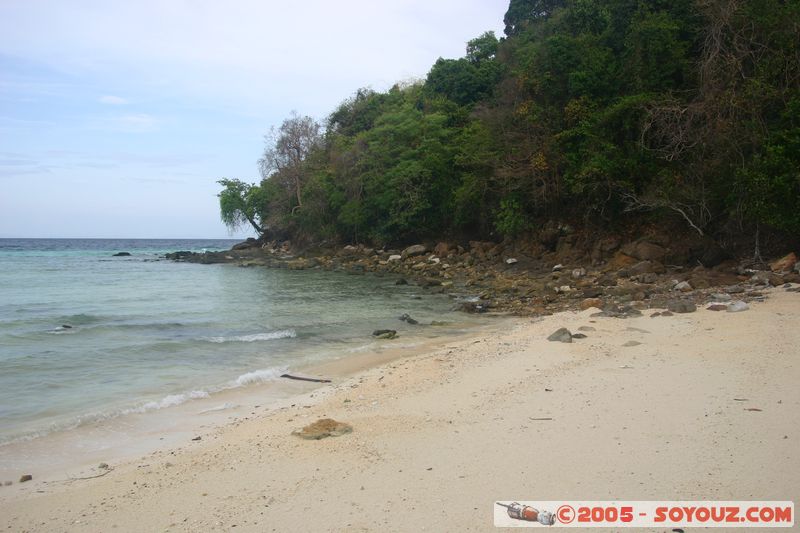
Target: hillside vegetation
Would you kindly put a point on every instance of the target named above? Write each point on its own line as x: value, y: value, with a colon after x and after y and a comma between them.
x: 601, y: 114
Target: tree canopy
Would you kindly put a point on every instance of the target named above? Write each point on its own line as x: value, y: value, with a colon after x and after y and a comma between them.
x: 687, y: 109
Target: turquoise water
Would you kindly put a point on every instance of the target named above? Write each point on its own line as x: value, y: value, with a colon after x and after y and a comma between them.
x: 85, y: 336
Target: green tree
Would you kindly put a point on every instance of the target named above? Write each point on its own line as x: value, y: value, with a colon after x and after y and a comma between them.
x: 240, y: 204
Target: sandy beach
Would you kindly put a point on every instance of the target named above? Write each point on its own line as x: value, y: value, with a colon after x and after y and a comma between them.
x: 704, y: 407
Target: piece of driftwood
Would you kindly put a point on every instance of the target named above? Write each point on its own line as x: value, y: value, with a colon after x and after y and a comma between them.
x: 300, y: 378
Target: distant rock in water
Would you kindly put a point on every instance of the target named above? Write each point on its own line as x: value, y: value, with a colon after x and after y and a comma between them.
x: 384, y: 334
x: 121, y: 254
x: 66, y: 326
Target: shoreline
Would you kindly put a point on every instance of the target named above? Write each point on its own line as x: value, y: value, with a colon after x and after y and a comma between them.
x: 644, y: 408
x: 73, y: 451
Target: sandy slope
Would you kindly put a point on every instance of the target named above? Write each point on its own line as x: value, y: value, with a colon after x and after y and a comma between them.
x: 441, y: 436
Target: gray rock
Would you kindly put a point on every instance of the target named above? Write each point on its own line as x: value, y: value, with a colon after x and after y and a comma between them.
x: 682, y: 286
x: 511, y: 261
x: 738, y: 306
x: 734, y: 289
x: 578, y: 273
x: 578, y: 336
x: 26, y: 477
x: 558, y: 268
x: 405, y: 317
x: 560, y: 335
x: 681, y: 306
x: 414, y: 250
x: 631, y: 343
x: 721, y: 297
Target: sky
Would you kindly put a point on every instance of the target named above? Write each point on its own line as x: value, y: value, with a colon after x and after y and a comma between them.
x: 117, y: 118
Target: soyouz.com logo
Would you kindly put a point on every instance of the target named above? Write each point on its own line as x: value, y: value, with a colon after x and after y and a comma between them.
x: 728, y: 514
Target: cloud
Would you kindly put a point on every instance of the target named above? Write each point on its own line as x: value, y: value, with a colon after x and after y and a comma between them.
x: 128, y: 123
x: 113, y: 100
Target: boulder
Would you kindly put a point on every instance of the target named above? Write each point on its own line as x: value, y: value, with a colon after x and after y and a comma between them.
x: 737, y: 306
x: 560, y: 335
x: 405, y: 317
x: 682, y: 286
x: 644, y: 250
x: 681, y: 306
x: 442, y: 249
x: 591, y: 302
x: 384, y: 333
x: 413, y: 251
x: 784, y: 264
x: 249, y: 243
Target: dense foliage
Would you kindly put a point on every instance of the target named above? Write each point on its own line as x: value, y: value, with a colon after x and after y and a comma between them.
x: 682, y: 108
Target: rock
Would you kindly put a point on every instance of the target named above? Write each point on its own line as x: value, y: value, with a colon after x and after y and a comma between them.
x: 413, y: 251
x: 8, y: 483
x: 66, y: 326
x: 586, y: 328
x: 384, y: 334
x: 441, y: 249
x: 578, y: 273
x: 26, y: 477
x: 560, y: 335
x: 721, y: 297
x: 784, y: 264
x: 666, y: 313
x: 648, y: 278
x: 103, y: 466
x: 682, y: 286
x: 122, y: 254
x: 395, y: 257
x: 717, y: 307
x: 405, y: 317
x: 249, y: 243
x: 681, y: 306
x: 511, y: 261
x: 591, y: 302
x: 592, y: 292
x: 558, y: 268
x: 646, y: 267
x: 631, y: 343
x: 472, y: 307
x: 644, y: 250
x: 578, y: 336
x: 734, y: 289
x: 699, y: 283
x: 738, y: 306
x: 401, y: 281
x: 322, y: 428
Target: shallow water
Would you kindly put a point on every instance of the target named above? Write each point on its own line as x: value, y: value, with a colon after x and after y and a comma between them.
x: 85, y: 336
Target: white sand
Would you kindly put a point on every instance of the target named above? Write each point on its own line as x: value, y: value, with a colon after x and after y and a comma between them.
x: 442, y: 435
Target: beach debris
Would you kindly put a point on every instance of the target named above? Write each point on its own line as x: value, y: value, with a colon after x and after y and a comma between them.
x: 631, y: 343
x: 302, y: 378
x: 542, y: 418
x: 405, y: 317
x: 385, y: 334
x: 197, y: 438
x: 548, y: 390
x: 740, y: 399
x: 756, y: 409
x: 738, y: 306
x: 26, y: 477
x: 322, y: 428
x: 680, y: 306
x: 560, y: 335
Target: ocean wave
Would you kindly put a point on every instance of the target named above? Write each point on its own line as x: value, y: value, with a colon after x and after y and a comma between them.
x: 171, y: 400
x: 258, y: 376
x: 272, y: 335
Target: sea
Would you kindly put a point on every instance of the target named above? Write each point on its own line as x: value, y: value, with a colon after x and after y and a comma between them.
x: 87, y: 336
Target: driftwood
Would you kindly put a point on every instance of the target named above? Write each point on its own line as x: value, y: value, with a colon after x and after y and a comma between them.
x: 300, y: 378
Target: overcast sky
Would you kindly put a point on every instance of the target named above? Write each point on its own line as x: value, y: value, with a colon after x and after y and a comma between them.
x: 118, y: 117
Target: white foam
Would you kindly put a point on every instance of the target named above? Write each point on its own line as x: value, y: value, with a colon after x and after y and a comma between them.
x: 258, y: 376
x: 172, y: 400
x: 272, y: 335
